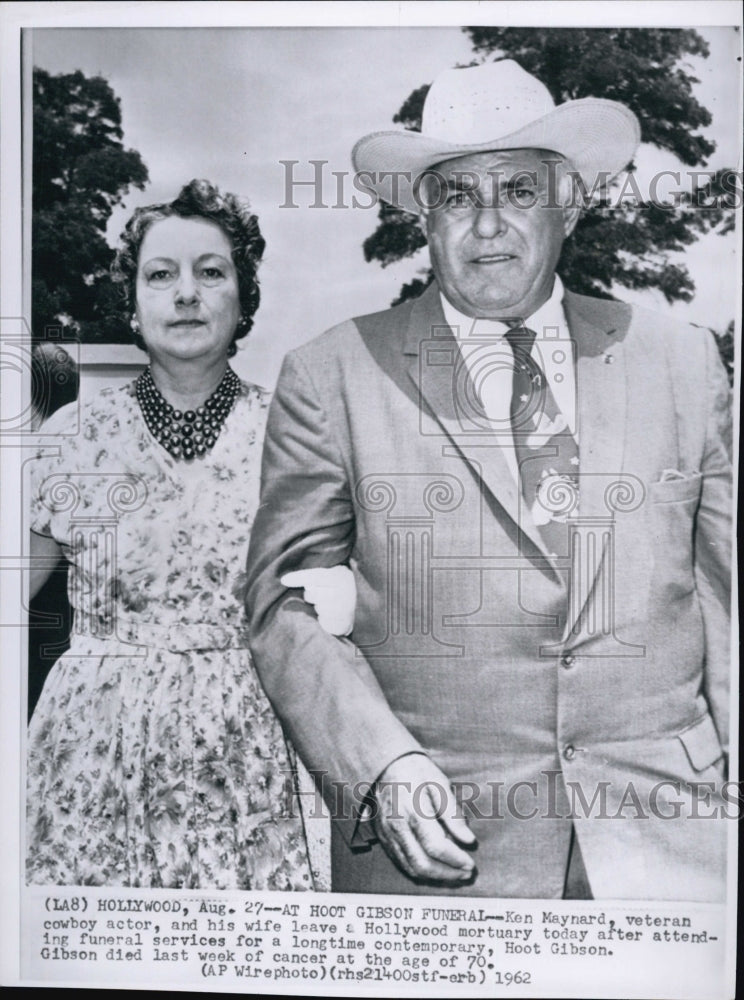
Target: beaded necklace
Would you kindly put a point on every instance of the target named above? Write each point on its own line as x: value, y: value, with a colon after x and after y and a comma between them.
x: 194, y: 432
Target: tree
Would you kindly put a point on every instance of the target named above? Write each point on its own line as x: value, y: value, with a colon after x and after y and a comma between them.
x: 726, y: 348
x: 81, y: 170
x: 630, y: 244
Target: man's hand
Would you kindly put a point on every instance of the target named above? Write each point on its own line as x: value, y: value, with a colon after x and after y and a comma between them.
x: 332, y: 592
x: 417, y: 818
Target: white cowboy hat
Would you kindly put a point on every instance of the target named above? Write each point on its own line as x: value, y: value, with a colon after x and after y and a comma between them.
x: 496, y: 105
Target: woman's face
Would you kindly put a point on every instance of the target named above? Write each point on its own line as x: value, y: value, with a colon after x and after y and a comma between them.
x: 188, y: 304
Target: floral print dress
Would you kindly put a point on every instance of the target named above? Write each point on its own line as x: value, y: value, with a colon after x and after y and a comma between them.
x: 154, y: 758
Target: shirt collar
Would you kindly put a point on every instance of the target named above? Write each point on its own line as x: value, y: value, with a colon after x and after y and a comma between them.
x: 549, y: 316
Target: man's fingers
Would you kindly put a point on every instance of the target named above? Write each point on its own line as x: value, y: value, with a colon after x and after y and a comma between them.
x: 410, y: 830
x: 431, y: 823
x: 437, y: 799
x: 433, y: 839
x: 418, y: 815
x: 453, y: 820
x: 403, y: 843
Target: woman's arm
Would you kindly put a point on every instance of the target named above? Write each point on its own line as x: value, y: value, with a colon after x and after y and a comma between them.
x: 45, y: 557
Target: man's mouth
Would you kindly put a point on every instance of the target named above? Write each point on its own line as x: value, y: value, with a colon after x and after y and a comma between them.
x: 493, y: 258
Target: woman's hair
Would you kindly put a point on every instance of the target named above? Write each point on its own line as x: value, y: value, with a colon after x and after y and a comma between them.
x: 199, y: 200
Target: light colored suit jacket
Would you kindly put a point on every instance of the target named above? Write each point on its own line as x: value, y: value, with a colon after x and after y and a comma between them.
x: 605, y: 710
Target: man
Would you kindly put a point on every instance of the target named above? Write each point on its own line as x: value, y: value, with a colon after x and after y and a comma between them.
x: 532, y: 491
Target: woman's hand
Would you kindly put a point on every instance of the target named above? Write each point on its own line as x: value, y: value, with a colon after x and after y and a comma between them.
x: 331, y: 591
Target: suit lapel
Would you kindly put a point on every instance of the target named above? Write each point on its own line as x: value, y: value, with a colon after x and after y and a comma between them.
x: 435, y: 366
x: 599, y: 329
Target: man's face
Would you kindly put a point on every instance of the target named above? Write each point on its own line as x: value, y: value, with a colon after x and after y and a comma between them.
x: 496, y: 231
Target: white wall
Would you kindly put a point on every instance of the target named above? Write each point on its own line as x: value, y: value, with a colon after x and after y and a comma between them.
x: 104, y: 365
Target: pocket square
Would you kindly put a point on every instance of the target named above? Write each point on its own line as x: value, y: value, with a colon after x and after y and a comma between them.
x: 670, y: 474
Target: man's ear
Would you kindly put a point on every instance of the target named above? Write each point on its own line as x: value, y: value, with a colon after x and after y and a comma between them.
x: 423, y: 223
x: 571, y: 213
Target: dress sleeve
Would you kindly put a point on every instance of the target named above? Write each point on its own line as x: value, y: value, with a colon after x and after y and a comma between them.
x: 56, y: 456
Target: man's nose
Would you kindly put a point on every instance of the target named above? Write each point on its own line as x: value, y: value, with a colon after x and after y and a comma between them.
x: 489, y: 221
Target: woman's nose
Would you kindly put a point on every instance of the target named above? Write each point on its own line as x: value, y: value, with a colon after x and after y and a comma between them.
x: 489, y: 221
x: 186, y: 290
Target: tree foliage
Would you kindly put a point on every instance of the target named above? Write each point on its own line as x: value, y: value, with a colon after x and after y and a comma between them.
x: 629, y: 244
x: 81, y: 170
x: 642, y: 68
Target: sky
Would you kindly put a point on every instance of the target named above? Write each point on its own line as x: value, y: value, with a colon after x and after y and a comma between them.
x: 230, y: 104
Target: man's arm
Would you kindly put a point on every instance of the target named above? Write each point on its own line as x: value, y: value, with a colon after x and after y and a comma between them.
x: 713, y: 542
x: 321, y: 687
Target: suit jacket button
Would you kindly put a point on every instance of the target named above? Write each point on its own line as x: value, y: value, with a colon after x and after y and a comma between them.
x: 568, y: 660
x: 569, y: 752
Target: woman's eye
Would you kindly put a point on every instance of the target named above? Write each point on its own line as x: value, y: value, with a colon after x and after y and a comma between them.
x: 160, y: 276
x: 212, y: 273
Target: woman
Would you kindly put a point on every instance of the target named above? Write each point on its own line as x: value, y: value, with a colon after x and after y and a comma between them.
x: 154, y: 757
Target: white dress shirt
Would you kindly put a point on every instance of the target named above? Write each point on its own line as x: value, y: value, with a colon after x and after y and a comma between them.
x: 487, y: 355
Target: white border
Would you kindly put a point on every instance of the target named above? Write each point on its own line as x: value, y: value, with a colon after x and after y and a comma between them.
x: 14, y: 295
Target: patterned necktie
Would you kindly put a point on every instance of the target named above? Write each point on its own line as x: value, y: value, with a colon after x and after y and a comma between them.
x: 546, y: 451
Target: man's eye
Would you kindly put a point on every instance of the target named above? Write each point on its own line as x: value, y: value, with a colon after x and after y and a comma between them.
x: 524, y: 194
x: 460, y: 199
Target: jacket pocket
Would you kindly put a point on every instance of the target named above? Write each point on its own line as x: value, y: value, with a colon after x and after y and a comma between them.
x: 674, y: 504
x: 701, y: 744
x: 677, y: 490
